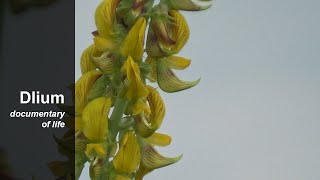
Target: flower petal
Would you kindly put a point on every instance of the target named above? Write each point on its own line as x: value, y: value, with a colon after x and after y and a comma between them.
x: 168, y: 81
x: 181, y: 30
x: 85, y: 62
x: 95, y: 119
x: 127, y: 159
x: 153, y: 47
x: 82, y: 89
x: 136, y: 88
x: 106, y: 63
x: 105, y: 17
x: 151, y: 159
x: 133, y: 45
x: 103, y: 44
x: 159, y: 139
x: 176, y: 62
x: 146, y: 126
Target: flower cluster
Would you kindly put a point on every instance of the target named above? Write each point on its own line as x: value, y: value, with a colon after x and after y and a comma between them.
x: 116, y: 113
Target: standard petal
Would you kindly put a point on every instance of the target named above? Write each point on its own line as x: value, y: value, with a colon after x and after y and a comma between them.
x: 168, y: 81
x: 127, y: 159
x: 133, y: 45
x: 159, y: 139
x: 85, y: 62
x: 181, y: 30
x: 106, y: 63
x: 77, y: 123
x: 82, y: 89
x: 95, y: 119
x: 151, y: 159
x: 105, y: 17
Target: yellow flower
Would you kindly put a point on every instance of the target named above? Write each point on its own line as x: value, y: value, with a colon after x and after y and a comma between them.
x: 127, y: 159
x: 82, y: 89
x: 105, y: 20
x: 85, y: 62
x: 147, y: 125
x: 170, y: 38
x: 133, y: 45
x: 136, y: 88
x: 95, y: 119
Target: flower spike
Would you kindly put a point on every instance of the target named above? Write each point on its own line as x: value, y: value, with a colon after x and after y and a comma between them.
x: 121, y: 146
x: 104, y: 17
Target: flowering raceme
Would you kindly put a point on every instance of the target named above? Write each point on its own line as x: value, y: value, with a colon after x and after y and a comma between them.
x: 117, y: 114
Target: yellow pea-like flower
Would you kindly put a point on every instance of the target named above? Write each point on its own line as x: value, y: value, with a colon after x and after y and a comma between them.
x: 180, y: 29
x: 127, y: 159
x: 105, y: 17
x: 133, y: 45
x: 147, y: 125
x: 136, y: 88
x: 85, y: 62
x: 95, y: 119
x: 151, y: 159
x: 167, y: 37
x: 82, y: 89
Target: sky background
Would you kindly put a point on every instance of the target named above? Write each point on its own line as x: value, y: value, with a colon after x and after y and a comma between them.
x: 256, y: 113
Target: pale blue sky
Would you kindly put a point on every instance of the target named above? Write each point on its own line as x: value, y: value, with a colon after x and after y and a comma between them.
x: 256, y: 113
